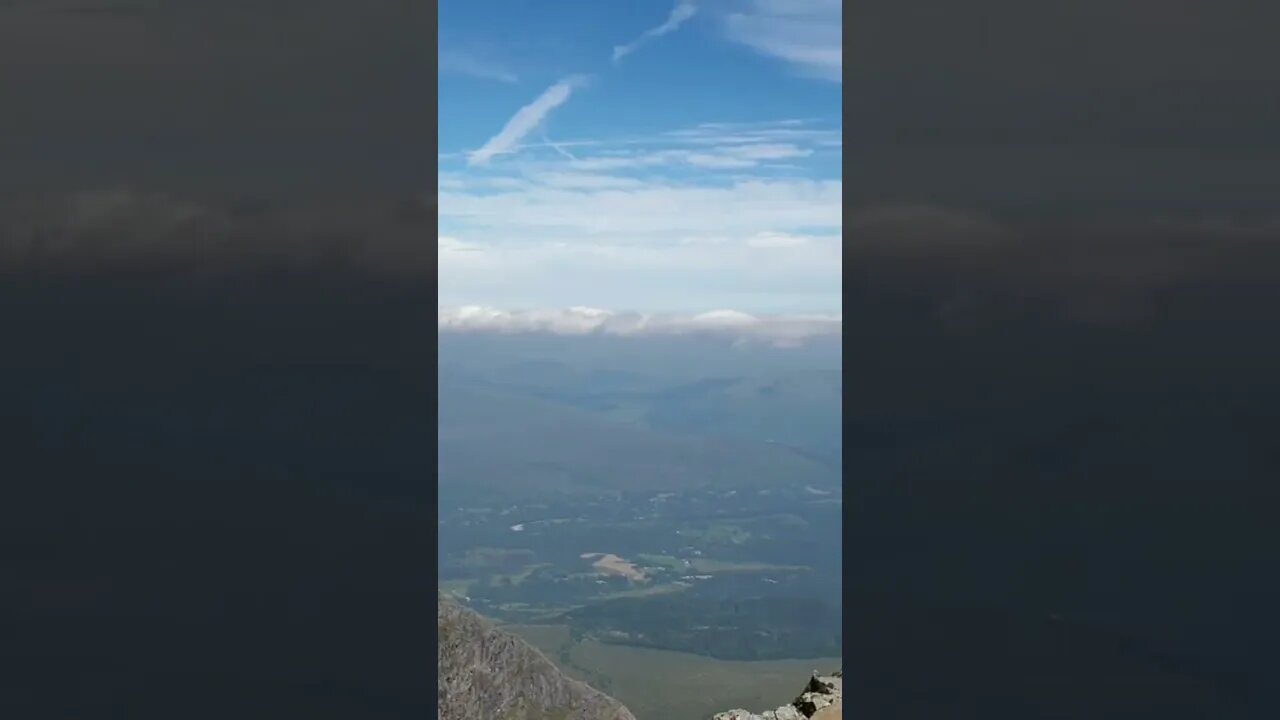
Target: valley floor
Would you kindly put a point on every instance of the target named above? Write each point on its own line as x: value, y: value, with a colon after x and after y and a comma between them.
x: 668, y: 685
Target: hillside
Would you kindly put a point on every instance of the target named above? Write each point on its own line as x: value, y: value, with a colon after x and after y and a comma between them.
x: 489, y: 674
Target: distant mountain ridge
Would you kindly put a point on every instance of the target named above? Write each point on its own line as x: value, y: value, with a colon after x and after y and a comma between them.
x: 549, y: 446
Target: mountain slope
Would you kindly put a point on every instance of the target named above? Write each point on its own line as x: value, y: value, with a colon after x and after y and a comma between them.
x: 488, y: 674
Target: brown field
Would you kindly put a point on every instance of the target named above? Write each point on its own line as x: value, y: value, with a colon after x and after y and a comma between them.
x: 613, y: 565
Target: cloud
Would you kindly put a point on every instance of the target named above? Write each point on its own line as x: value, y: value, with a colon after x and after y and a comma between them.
x: 746, y: 155
x: 777, y: 240
x: 807, y: 34
x: 584, y: 180
x: 661, y: 223
x: 447, y: 244
x: 730, y: 156
x: 709, y: 145
x: 681, y: 13
x: 776, y: 131
x: 466, y: 64
x: 766, y: 273
x: 526, y: 119
x: 778, y: 330
x: 671, y: 210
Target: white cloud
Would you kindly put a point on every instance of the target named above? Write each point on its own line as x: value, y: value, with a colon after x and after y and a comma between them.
x: 741, y: 208
x: 658, y: 224
x: 708, y: 145
x: 807, y: 34
x: 451, y: 244
x: 767, y: 152
x: 678, y: 16
x: 739, y: 154
x: 781, y: 240
x: 584, y: 180
x: 526, y: 120
x: 724, y: 162
x: 629, y: 160
x: 707, y: 135
x: 753, y: 273
x: 779, y: 330
x: 745, y: 155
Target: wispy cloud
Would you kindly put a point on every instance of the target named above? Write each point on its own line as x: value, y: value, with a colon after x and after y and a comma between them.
x: 663, y: 209
x: 680, y: 14
x: 732, y: 154
x: 641, y: 243
x: 792, y: 131
x: 710, y: 145
x: 707, y: 216
x: 526, y: 120
x: 807, y: 34
x: 461, y: 63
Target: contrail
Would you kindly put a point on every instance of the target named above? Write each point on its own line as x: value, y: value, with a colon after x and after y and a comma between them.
x: 683, y: 10
x: 558, y: 148
x: 526, y: 120
x: 530, y: 116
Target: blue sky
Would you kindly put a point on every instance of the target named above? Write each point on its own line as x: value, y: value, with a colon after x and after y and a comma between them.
x: 652, y: 156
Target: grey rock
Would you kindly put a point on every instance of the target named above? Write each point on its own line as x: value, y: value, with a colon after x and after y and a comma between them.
x: 823, y: 693
x: 786, y: 712
x: 488, y: 674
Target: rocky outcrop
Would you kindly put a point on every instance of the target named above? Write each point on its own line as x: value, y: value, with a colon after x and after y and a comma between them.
x: 822, y: 699
x: 488, y: 674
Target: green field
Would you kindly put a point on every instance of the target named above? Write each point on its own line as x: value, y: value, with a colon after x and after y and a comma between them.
x: 496, y: 557
x: 517, y: 577
x: 719, y: 532
x: 665, y: 685
x: 665, y: 561
x: 708, y: 565
x: 647, y: 591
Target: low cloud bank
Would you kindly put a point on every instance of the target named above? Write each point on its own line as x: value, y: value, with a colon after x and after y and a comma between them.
x: 778, y: 330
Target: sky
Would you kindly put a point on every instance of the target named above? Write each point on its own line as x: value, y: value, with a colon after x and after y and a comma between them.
x: 655, y: 157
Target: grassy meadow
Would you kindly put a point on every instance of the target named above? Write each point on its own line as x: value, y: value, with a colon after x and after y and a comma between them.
x: 666, y: 685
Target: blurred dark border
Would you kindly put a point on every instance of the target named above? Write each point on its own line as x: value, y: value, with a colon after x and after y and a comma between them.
x: 218, y: 372
x: 1062, y: 234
